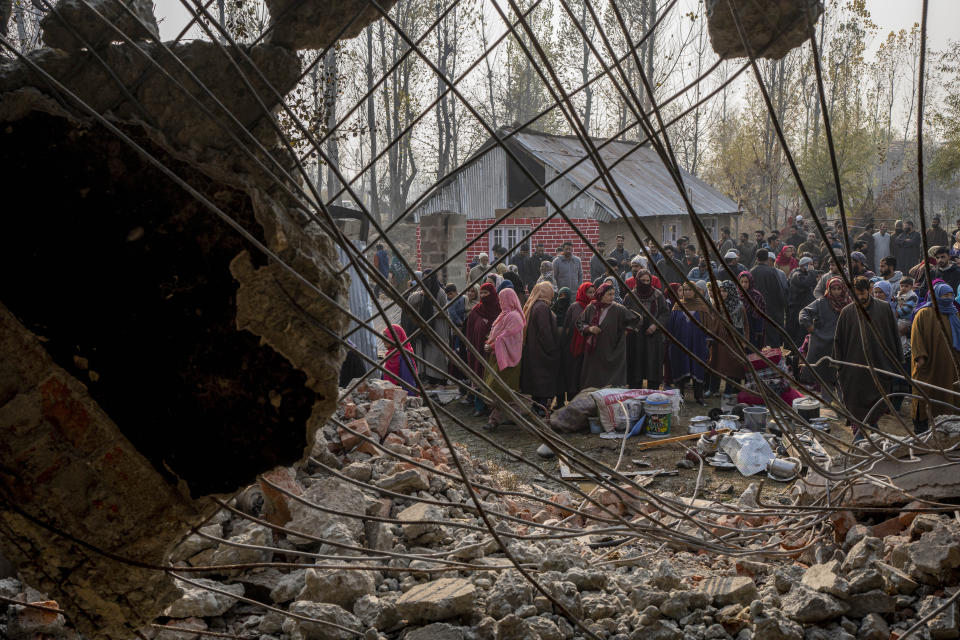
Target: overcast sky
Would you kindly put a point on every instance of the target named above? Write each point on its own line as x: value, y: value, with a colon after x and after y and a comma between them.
x: 890, y: 15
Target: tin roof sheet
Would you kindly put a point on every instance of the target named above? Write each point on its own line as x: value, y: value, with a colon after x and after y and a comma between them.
x: 641, y: 176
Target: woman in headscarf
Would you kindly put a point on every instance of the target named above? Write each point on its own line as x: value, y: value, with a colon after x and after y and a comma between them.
x: 683, y: 367
x: 935, y: 355
x: 645, y: 346
x: 505, y: 284
x: 819, y: 320
x: 504, y: 347
x: 754, y: 305
x: 428, y: 300
x: 479, y: 321
x: 724, y: 352
x: 472, y: 297
x: 572, y: 343
x: 603, y: 325
x: 541, y: 348
x: 562, y: 303
x: 883, y: 290
x: 786, y: 261
x: 401, y: 372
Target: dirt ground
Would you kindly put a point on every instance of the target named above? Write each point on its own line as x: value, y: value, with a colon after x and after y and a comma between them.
x: 720, y: 485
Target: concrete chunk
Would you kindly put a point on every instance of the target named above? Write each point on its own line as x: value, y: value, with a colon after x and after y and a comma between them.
x: 724, y: 591
x: 437, y: 600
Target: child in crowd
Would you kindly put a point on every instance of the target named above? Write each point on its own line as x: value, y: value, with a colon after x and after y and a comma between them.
x: 906, y: 299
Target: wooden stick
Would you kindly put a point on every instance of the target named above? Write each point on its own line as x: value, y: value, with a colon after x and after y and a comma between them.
x: 689, y: 436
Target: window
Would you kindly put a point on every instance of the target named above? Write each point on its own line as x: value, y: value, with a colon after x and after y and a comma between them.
x: 507, y: 236
x: 669, y: 234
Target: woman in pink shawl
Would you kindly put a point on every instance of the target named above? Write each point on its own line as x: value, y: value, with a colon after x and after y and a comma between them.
x: 395, y: 363
x: 504, y: 347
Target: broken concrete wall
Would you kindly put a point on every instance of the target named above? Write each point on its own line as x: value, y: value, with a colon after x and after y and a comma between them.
x: 150, y: 355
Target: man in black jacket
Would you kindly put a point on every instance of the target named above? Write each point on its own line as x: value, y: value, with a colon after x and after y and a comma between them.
x: 907, y: 247
x: 772, y: 284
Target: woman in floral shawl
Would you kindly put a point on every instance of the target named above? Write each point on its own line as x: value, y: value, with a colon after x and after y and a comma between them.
x: 401, y: 369
x: 754, y: 305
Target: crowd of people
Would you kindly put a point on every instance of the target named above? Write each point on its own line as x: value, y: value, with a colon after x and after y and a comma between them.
x: 540, y: 327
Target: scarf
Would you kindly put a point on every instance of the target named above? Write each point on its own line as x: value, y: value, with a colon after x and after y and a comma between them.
x: 783, y: 260
x: 506, y: 284
x: 644, y: 290
x: 489, y: 306
x: 838, y: 303
x: 563, y: 302
x: 506, y: 334
x: 691, y: 305
x: 948, y: 309
x: 752, y: 293
x: 542, y: 291
x: 733, y: 303
x: 431, y: 294
x: 887, y: 290
x: 394, y: 362
x: 599, y: 306
x: 579, y: 342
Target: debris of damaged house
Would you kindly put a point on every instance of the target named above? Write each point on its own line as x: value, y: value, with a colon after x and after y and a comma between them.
x: 378, y: 538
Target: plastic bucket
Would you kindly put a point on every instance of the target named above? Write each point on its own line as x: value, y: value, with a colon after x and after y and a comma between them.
x: 755, y: 418
x: 807, y: 408
x: 659, y: 417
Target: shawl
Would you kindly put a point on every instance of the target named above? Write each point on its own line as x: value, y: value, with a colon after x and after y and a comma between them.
x: 733, y: 303
x: 478, y: 326
x: 837, y: 304
x: 783, y: 260
x: 506, y: 284
x: 591, y: 341
x: 432, y: 291
x: 759, y: 306
x: 489, y: 307
x: 506, y: 334
x: 563, y: 302
x: 948, y: 309
x: 468, y: 303
x: 631, y: 283
x: 694, y: 304
x: 395, y: 363
x: 579, y: 342
x: 644, y: 291
x: 887, y: 289
x: 542, y: 291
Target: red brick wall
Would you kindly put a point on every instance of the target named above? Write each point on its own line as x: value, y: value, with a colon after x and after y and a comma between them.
x: 552, y: 235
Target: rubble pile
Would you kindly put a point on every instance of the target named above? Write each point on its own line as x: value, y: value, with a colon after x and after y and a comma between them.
x: 379, y: 543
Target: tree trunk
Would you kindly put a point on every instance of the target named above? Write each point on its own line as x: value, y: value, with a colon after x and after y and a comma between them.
x: 372, y: 127
x: 330, y: 111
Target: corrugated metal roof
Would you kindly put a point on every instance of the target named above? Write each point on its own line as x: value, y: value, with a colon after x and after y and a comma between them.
x: 641, y: 177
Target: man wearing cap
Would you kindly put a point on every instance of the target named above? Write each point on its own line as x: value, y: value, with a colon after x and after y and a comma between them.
x: 881, y: 246
x: 732, y: 267
x: 858, y: 263
x: 937, y: 235
x: 621, y: 255
x: 598, y: 263
x: 483, y: 265
x: 772, y: 284
x: 800, y: 294
x: 907, y: 247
